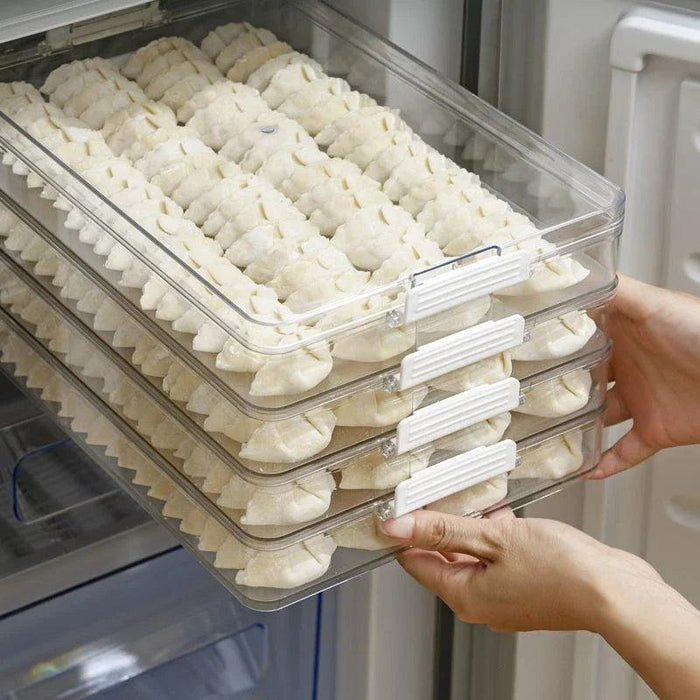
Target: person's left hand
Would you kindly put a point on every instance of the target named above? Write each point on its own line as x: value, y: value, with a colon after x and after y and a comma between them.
x: 518, y: 574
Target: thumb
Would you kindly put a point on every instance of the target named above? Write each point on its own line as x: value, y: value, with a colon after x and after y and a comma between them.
x: 427, y: 529
x: 628, y: 451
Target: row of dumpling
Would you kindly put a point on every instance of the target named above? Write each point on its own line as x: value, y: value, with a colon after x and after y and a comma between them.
x: 285, y: 568
x: 300, y: 563
x: 303, y: 436
x: 85, y: 151
x: 456, y: 211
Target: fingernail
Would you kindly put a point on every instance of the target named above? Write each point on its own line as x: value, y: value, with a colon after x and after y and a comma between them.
x: 399, y: 528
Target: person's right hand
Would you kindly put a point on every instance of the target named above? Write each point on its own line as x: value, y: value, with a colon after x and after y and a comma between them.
x: 656, y: 369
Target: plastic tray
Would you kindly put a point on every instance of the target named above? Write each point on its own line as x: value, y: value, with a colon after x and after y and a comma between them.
x: 290, y: 512
x: 69, y: 282
x: 338, y: 554
x: 578, y: 212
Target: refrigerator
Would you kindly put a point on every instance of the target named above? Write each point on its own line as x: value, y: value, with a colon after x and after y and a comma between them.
x: 80, y: 546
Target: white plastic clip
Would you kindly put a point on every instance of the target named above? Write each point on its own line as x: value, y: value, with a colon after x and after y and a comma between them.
x: 452, y: 475
x: 444, y: 291
x: 456, y: 412
x: 460, y: 349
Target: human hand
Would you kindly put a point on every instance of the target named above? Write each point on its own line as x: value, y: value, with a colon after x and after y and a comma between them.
x: 518, y: 574
x: 656, y: 369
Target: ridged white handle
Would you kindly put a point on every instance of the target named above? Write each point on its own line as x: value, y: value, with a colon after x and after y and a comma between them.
x: 435, y: 294
x: 461, y: 349
x: 456, y: 412
x: 453, y: 475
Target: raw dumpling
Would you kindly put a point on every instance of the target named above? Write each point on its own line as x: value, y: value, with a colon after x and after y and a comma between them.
x: 372, y: 235
x: 64, y: 72
x: 414, y: 170
x: 350, y: 120
x: 559, y: 396
x: 283, y: 164
x: 289, y: 80
x: 261, y: 78
x: 306, y: 179
x: 290, y: 567
x: 83, y: 99
x: 231, y: 553
x: 150, y: 53
x: 427, y: 190
x: 475, y: 499
x: 247, y: 64
x: 363, y: 534
x: 311, y: 94
x: 341, y: 207
x: 171, y: 176
x: 389, y: 159
x: 292, y: 440
x: 97, y: 114
x: 228, y: 188
x: 212, y: 93
x: 552, y: 459
x: 176, y: 74
x: 202, y: 180
x: 248, y: 40
x: 486, y: 432
x: 220, y: 37
x: 409, y: 257
x: 374, y: 472
x: 149, y: 140
x: 168, y: 152
x: 330, y: 186
x: 487, y: 371
x: 327, y: 110
x: 326, y: 288
x: 557, y: 337
x: 79, y: 82
x: 377, y: 408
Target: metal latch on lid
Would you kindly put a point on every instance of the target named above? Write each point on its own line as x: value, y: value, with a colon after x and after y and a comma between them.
x: 451, y: 476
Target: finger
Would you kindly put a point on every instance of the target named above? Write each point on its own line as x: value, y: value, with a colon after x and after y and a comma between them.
x: 502, y: 513
x: 627, y: 452
x: 457, y: 558
x: 446, y: 533
x: 616, y: 410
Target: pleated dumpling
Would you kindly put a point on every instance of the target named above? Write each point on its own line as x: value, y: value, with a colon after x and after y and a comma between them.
x: 268, y: 266
x: 170, y: 152
x: 133, y: 122
x: 378, y: 408
x: 77, y: 83
x: 486, y: 432
x: 552, y: 459
x: 559, y: 396
x: 402, y: 148
x: 289, y: 80
x: 331, y: 285
x: 363, y: 534
x: 447, y: 205
x: 372, y: 235
x: 312, y: 93
x: 86, y: 97
x: 175, y: 74
x: 220, y: 37
x: 146, y: 55
x: 64, y: 72
x: 430, y: 188
x: 407, y: 258
x: 298, y: 502
x: 328, y: 187
x: 475, y: 499
x: 413, y: 170
x: 375, y: 123
x: 350, y: 120
x: 250, y: 61
x: 331, y: 107
x: 185, y: 176
x: 149, y: 140
x: 218, y: 90
x: 306, y: 179
x: 199, y: 180
x: 225, y: 117
x: 340, y: 207
x: 487, y: 371
x: 229, y: 187
x: 282, y: 165
x: 374, y: 472
x: 557, y: 337
x: 97, y: 113
x: 260, y: 79
x: 290, y: 567
x: 251, y: 38
x: 291, y: 440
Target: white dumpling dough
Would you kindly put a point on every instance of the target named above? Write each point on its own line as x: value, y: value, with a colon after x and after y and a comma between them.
x: 290, y: 567
x: 487, y: 371
x: 312, y: 93
x: 150, y: 53
x: 261, y: 78
x: 553, y: 459
x: 323, y: 113
x: 289, y: 80
x: 486, y: 432
x: 291, y: 440
x: 559, y: 396
x: 250, y: 61
x: 557, y: 337
x: 363, y: 534
x: 305, y: 180
x: 374, y: 472
x: 220, y: 37
x: 408, y: 257
x: 427, y: 190
x: 475, y: 499
x: 378, y: 408
x: 248, y: 40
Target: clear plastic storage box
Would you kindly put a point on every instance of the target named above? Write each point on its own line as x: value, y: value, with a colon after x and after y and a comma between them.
x: 282, y: 279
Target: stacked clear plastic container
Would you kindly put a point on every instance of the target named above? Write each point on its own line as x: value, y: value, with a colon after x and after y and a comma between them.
x: 293, y: 313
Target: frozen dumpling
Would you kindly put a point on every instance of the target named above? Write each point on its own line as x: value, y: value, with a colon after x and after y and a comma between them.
x: 261, y: 78
x: 487, y: 371
x: 213, y: 93
x: 312, y: 93
x: 151, y: 52
x: 475, y: 499
x: 288, y: 81
x: 250, y: 61
x: 557, y: 337
x: 220, y: 37
x: 372, y: 471
x: 323, y: 113
x: 290, y: 567
x: 378, y: 408
x: 486, y: 432
x: 363, y: 534
x: 552, y: 459
x: 248, y: 40
x: 408, y: 257
x: 305, y: 180
x: 559, y: 396
x: 291, y: 440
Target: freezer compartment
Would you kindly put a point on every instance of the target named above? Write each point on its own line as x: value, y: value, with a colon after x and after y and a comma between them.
x: 553, y: 336
x: 53, y: 499
x: 267, y: 508
x: 172, y: 631
x: 268, y: 575
x: 563, y: 247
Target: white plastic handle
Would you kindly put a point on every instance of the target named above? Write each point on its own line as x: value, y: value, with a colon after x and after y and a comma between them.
x: 435, y: 294
x: 453, y: 475
x: 456, y: 412
x: 461, y: 349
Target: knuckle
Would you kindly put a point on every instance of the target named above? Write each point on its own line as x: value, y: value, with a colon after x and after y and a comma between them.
x: 439, y: 533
